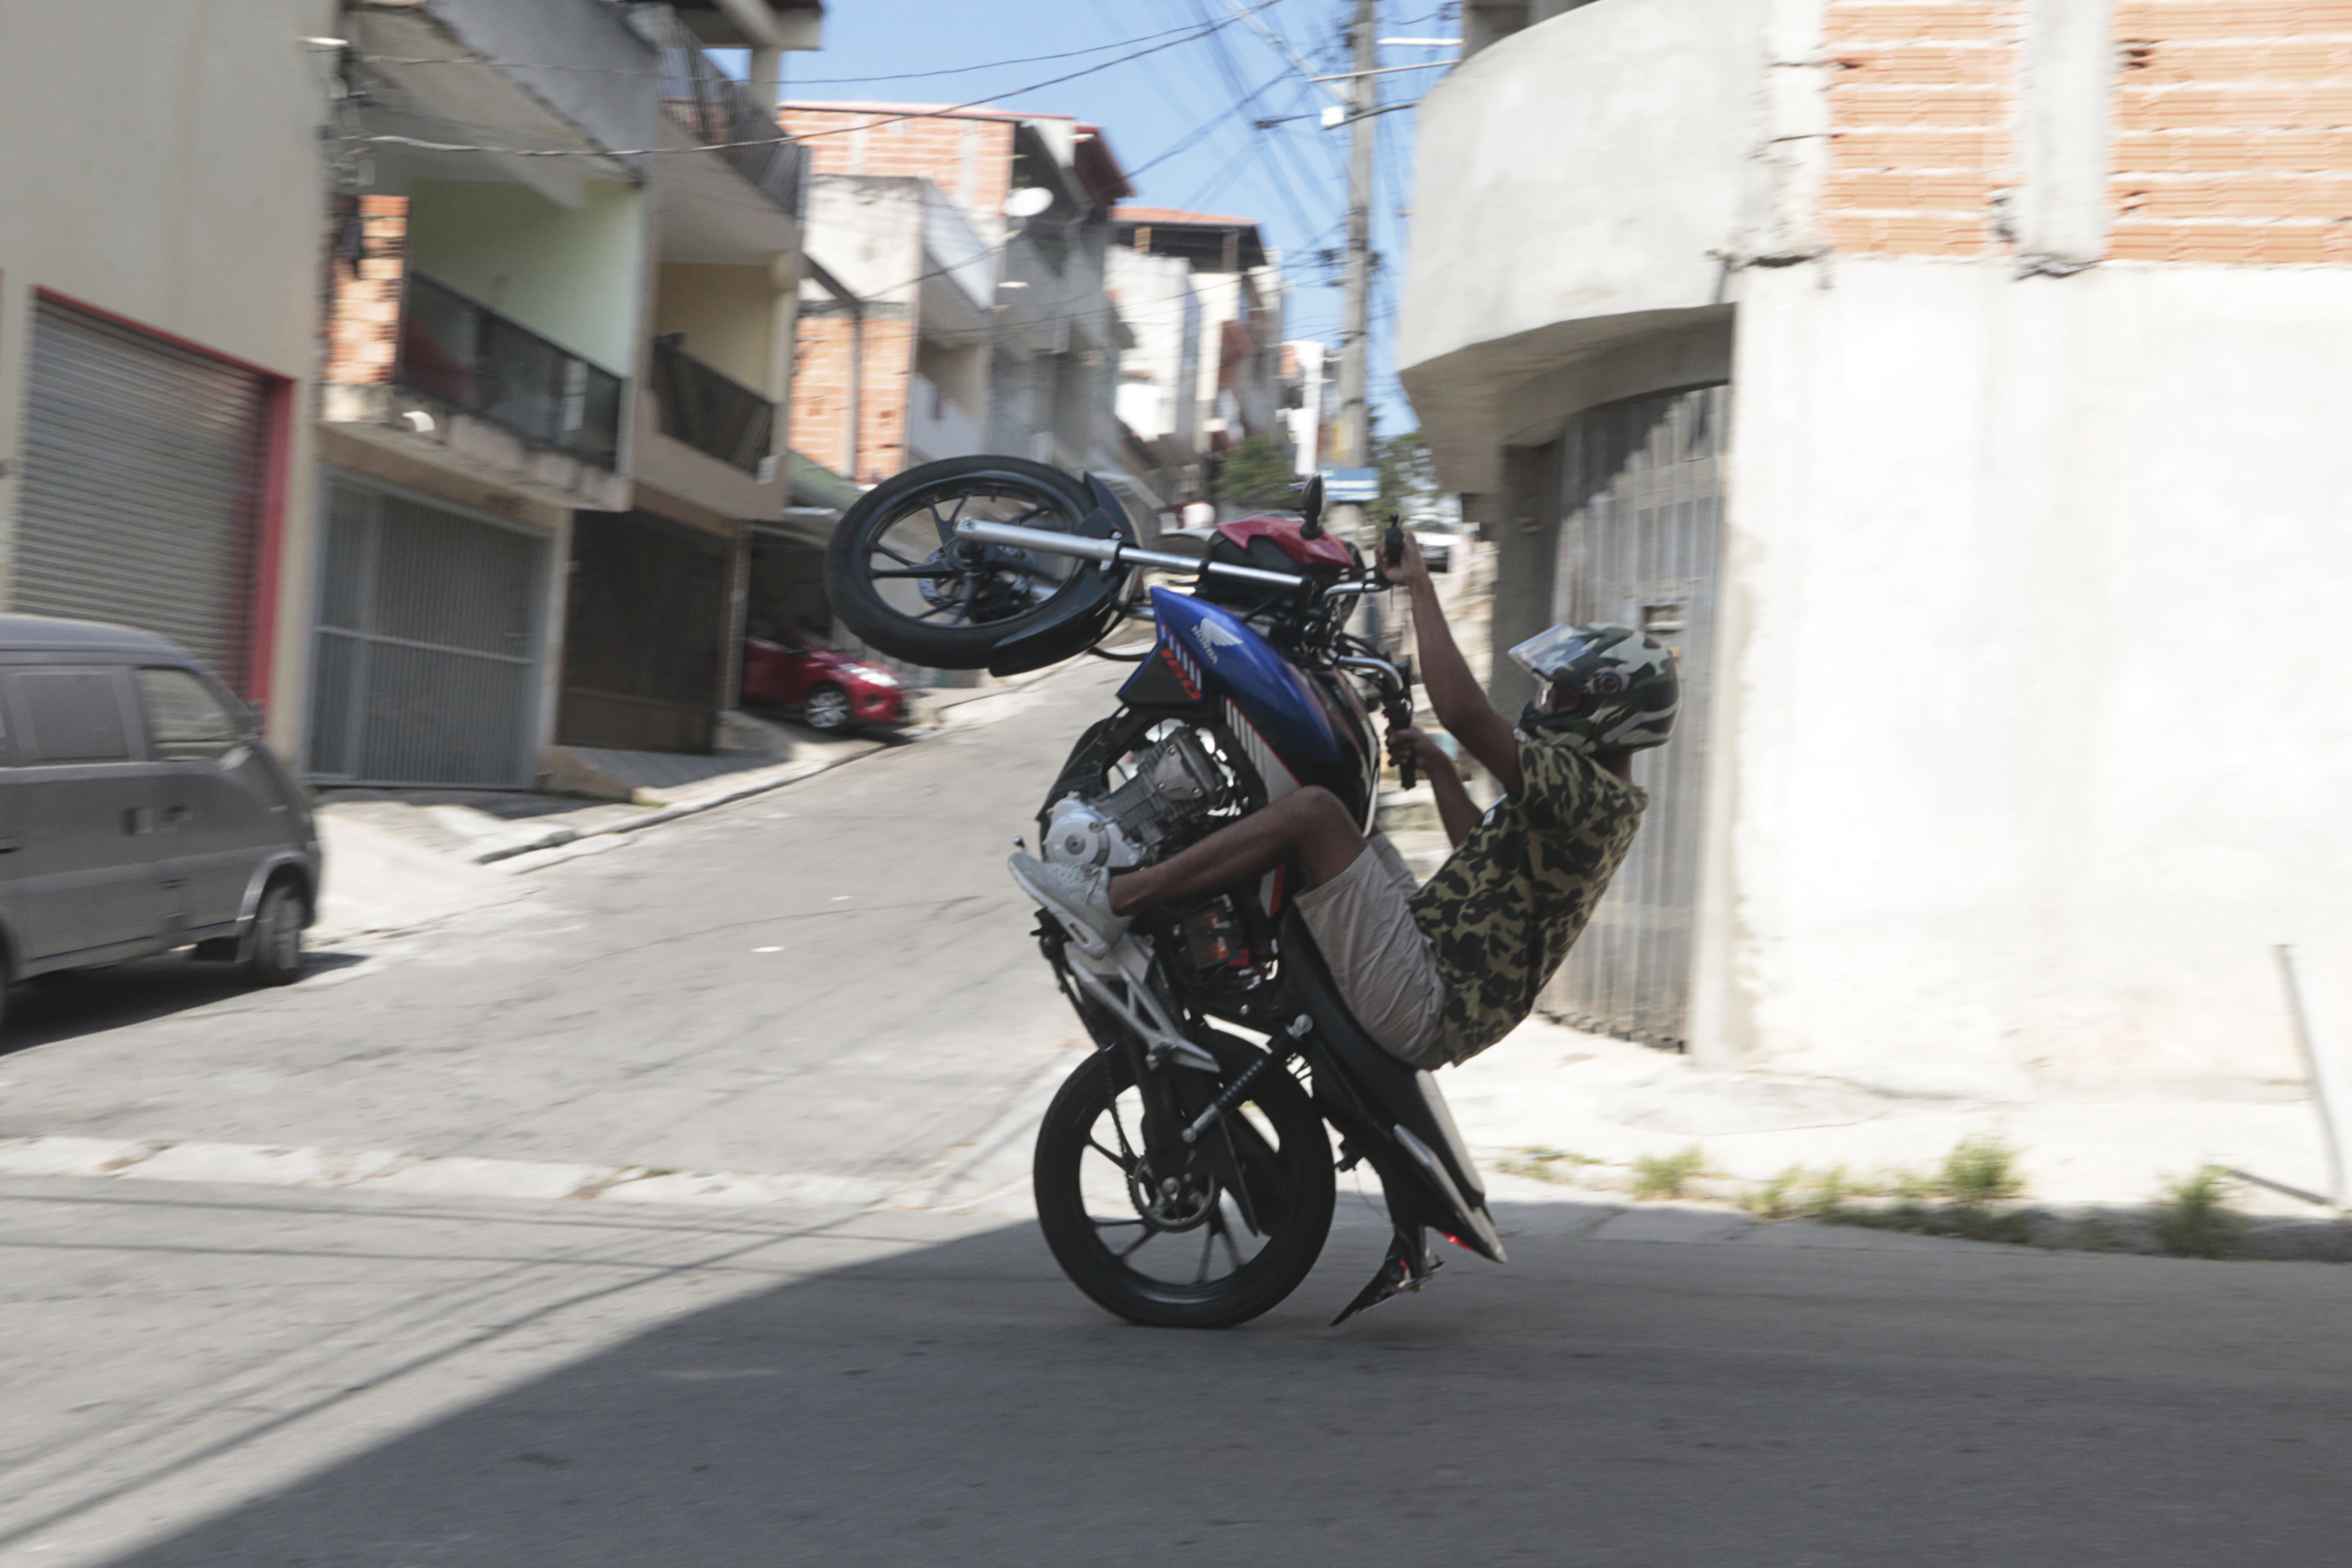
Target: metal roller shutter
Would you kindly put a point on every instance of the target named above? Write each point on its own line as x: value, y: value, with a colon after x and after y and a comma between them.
x: 1640, y: 545
x: 143, y: 491
x: 428, y: 645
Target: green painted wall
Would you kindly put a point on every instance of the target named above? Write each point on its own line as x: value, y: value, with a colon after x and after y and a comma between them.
x: 569, y: 274
x: 729, y: 317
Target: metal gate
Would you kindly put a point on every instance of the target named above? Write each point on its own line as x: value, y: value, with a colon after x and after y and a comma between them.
x: 1643, y: 505
x: 641, y: 645
x: 143, y: 490
x: 428, y: 645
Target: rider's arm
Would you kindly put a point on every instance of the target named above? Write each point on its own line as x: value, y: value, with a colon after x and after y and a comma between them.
x: 1455, y: 809
x: 1454, y: 691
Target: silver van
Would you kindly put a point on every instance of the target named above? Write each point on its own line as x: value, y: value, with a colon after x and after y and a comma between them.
x: 141, y: 810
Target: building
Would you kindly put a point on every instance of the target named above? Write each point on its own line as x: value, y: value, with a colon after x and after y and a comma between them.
x: 1206, y: 298
x: 1310, y: 400
x: 955, y: 304
x: 158, y: 311
x: 1958, y: 386
x: 550, y: 406
x: 983, y: 328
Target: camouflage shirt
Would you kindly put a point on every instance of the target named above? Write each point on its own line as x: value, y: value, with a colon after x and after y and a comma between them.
x: 1501, y: 912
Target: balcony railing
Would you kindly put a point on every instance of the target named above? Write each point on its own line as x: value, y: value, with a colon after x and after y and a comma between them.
x: 708, y: 411
x: 719, y: 112
x: 478, y: 362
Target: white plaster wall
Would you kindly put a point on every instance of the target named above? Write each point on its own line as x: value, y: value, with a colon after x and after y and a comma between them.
x: 1586, y: 166
x: 2036, y: 718
x: 159, y: 160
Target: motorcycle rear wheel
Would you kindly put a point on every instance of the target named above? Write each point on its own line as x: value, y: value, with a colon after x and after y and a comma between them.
x: 1091, y: 1133
x: 898, y: 577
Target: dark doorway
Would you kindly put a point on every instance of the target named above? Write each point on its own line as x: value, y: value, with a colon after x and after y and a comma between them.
x: 642, y: 646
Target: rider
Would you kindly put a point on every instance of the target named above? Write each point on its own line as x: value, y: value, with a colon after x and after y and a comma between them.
x: 1437, y: 974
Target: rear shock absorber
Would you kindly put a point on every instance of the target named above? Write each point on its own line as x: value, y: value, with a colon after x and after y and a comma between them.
x: 1238, y: 1090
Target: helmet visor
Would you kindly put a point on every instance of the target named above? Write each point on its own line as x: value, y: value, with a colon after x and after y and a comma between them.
x: 1548, y: 655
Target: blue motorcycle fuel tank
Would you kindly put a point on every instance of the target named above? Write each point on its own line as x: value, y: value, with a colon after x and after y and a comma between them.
x: 1233, y: 661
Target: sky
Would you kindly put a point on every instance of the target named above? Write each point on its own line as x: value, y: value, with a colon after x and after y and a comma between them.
x: 1179, y: 118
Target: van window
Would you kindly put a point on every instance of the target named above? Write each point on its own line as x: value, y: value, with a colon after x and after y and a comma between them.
x: 185, y: 723
x: 73, y: 716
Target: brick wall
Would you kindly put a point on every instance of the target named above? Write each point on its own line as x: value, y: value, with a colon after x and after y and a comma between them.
x: 821, y: 382
x: 1922, y: 110
x: 967, y: 156
x: 363, y: 287
x: 2233, y: 131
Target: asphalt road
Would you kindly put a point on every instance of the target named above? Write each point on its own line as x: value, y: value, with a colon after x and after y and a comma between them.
x: 248, y: 1377
x: 835, y: 977
x: 213, y: 1374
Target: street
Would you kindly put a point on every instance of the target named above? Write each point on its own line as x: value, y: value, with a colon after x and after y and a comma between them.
x: 835, y: 978
x: 206, y: 1373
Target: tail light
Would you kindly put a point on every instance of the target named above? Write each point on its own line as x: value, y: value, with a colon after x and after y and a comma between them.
x: 1213, y: 939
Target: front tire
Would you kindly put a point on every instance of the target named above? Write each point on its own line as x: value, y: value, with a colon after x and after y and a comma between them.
x: 1103, y: 1208
x: 898, y: 577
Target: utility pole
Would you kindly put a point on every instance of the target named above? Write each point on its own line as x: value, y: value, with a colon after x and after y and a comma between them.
x: 1351, y: 440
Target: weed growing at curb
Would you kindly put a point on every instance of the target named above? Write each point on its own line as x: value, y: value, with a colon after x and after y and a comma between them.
x: 1549, y: 1164
x: 1665, y: 1176
x: 2194, y: 1218
x: 1957, y: 1198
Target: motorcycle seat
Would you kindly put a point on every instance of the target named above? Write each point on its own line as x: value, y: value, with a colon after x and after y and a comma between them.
x: 1403, y: 1092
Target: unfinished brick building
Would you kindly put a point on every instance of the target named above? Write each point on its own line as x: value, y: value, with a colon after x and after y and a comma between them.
x: 1959, y: 384
x: 972, y: 330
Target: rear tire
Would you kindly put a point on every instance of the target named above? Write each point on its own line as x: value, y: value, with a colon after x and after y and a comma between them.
x: 278, y: 922
x: 965, y: 601
x: 1296, y: 1192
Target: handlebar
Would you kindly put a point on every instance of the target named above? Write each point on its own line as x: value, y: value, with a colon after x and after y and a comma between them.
x: 1396, y: 684
x: 1118, y: 552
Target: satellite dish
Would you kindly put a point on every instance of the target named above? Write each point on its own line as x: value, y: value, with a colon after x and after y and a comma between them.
x: 1028, y: 202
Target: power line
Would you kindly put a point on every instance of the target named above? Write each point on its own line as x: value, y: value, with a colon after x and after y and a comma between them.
x: 928, y: 113
x: 807, y: 82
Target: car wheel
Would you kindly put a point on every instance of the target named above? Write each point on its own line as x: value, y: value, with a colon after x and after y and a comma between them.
x: 826, y: 710
x: 277, y: 957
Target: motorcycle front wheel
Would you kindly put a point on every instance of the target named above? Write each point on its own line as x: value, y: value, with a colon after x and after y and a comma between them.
x: 1229, y: 1230
x: 897, y: 575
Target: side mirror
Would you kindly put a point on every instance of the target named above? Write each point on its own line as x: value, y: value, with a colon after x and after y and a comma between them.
x: 1311, y: 507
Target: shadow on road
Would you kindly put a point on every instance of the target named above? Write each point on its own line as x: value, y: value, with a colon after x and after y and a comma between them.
x: 1600, y: 1402
x: 88, y: 1002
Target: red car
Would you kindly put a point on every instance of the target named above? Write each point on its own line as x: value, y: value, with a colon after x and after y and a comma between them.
x: 834, y: 692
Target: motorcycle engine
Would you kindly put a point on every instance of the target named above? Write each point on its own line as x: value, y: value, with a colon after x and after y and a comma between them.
x: 1175, y: 786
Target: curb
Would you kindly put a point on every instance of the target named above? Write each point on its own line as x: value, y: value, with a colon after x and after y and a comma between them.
x: 538, y: 844
x: 519, y: 849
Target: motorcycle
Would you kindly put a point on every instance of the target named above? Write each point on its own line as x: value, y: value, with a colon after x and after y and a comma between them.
x: 1183, y: 1175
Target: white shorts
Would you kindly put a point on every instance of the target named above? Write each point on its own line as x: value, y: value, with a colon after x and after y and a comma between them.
x: 1386, y: 969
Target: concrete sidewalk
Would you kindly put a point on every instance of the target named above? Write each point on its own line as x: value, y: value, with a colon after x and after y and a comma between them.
x: 1550, y: 1108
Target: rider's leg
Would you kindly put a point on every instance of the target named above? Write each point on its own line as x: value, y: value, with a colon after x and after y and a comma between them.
x: 1309, y: 827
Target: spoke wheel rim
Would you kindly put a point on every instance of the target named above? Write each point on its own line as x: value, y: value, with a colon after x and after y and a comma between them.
x: 917, y: 568
x: 1197, y: 1241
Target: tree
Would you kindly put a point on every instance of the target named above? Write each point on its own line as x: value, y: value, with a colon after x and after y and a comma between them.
x: 1408, y: 477
x: 1256, y: 476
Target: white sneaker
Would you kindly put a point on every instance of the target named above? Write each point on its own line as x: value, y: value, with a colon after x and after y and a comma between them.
x: 1077, y: 895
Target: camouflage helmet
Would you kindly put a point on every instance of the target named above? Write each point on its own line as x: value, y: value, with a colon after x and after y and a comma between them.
x: 1626, y: 678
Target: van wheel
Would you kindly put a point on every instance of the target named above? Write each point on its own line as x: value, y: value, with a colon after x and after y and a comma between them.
x: 278, y: 924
